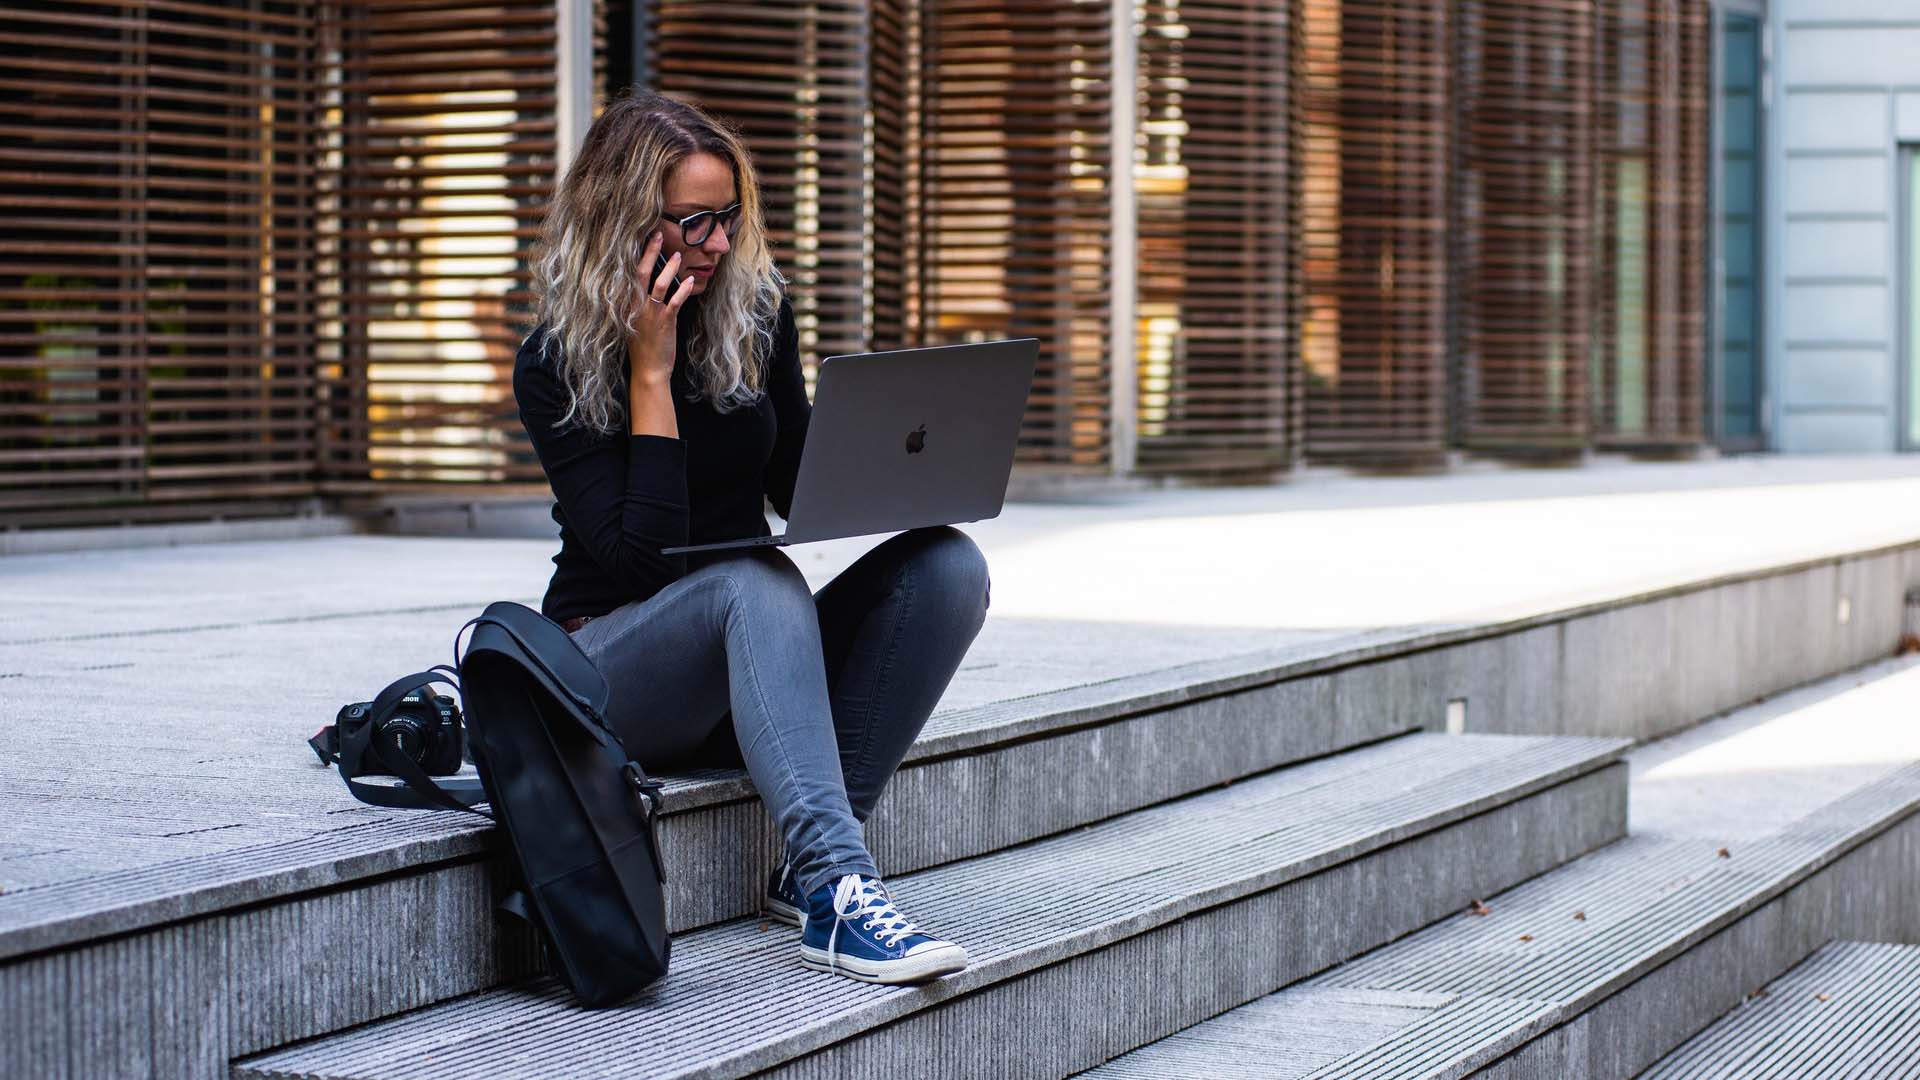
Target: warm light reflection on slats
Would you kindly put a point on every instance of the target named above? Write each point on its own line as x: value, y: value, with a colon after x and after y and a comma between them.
x: 1524, y: 223
x: 1374, y: 147
x: 156, y: 314
x: 1214, y: 365
x: 1015, y: 189
x: 1649, y: 330
x: 439, y: 157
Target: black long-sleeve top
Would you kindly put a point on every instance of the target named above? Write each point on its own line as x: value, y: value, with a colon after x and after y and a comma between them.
x: 620, y: 498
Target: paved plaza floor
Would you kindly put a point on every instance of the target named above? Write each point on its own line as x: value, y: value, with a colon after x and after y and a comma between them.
x: 154, y: 701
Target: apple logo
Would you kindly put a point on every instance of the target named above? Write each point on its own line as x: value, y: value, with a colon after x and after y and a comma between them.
x: 917, y: 440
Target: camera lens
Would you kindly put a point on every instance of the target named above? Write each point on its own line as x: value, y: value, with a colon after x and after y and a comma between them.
x: 405, y: 733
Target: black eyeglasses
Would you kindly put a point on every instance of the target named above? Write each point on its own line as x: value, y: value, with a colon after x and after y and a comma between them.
x: 695, y: 227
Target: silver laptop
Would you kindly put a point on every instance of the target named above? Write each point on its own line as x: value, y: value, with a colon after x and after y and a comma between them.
x: 903, y: 439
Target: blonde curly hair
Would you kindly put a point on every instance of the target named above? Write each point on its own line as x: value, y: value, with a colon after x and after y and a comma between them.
x: 586, y: 261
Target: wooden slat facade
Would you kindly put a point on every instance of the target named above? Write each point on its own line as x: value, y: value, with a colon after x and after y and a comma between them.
x: 1651, y: 181
x: 893, y: 220
x: 274, y: 250
x: 156, y: 266
x: 1214, y: 350
x: 439, y: 156
x: 1523, y: 224
x: 1374, y: 136
x: 1016, y: 173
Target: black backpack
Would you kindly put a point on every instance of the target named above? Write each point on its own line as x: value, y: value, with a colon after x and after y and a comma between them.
x: 578, y: 811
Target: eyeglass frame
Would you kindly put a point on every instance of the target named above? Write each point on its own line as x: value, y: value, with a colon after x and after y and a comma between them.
x: 716, y: 215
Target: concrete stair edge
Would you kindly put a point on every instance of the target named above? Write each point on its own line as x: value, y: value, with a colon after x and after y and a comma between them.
x: 1559, y: 796
x: 1852, y: 1009
x: 1471, y: 1006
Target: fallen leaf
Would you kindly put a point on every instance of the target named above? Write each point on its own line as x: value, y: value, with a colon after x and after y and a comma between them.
x: 1580, y: 915
x: 1821, y: 997
x: 765, y: 926
x: 1478, y: 908
x: 1909, y: 643
x: 1725, y: 854
x: 1526, y: 937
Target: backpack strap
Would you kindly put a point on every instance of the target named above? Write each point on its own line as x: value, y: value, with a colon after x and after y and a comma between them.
x: 648, y: 789
x: 421, y: 792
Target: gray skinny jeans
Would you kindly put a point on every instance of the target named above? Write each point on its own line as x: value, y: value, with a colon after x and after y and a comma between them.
x: 825, y: 693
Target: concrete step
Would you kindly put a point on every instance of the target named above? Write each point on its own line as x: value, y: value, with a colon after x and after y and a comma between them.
x: 1597, y: 969
x: 1156, y: 736
x: 1096, y: 941
x: 159, y: 830
x: 180, y: 903
x: 1852, y: 1010
x: 144, y: 863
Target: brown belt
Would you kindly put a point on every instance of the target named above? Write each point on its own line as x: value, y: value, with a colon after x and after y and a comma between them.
x: 575, y: 623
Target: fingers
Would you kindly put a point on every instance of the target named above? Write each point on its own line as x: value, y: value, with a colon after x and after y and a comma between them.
x: 680, y: 294
x: 681, y: 286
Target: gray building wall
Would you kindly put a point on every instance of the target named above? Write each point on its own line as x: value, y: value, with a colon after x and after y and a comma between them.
x: 1847, y: 93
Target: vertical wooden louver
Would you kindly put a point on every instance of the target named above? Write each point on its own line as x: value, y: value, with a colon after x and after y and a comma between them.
x: 1374, y: 156
x: 1016, y: 181
x: 893, y: 215
x: 792, y: 78
x: 439, y: 160
x: 155, y: 258
x: 1684, y: 402
x: 1214, y: 363
x: 1651, y: 189
x: 1523, y: 223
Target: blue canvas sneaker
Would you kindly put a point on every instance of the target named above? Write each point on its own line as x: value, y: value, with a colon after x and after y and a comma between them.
x: 784, y: 902
x: 854, y: 929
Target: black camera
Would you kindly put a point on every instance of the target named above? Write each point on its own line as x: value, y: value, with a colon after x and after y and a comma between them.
x: 423, y: 726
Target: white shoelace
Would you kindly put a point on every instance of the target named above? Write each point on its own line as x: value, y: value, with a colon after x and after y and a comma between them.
x: 856, y: 897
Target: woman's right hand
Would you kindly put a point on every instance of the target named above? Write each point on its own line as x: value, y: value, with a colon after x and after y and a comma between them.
x: 655, y: 315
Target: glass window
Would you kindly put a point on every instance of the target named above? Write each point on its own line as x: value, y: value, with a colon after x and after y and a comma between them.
x: 1737, y: 233
x: 1910, y: 287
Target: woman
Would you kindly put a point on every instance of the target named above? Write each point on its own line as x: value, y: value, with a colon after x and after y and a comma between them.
x: 664, y: 411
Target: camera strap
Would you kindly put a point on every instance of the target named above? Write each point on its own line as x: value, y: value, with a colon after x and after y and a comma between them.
x: 422, y: 792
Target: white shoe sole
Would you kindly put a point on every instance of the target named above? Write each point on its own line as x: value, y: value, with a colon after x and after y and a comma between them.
x: 782, y: 912
x: 919, y: 967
